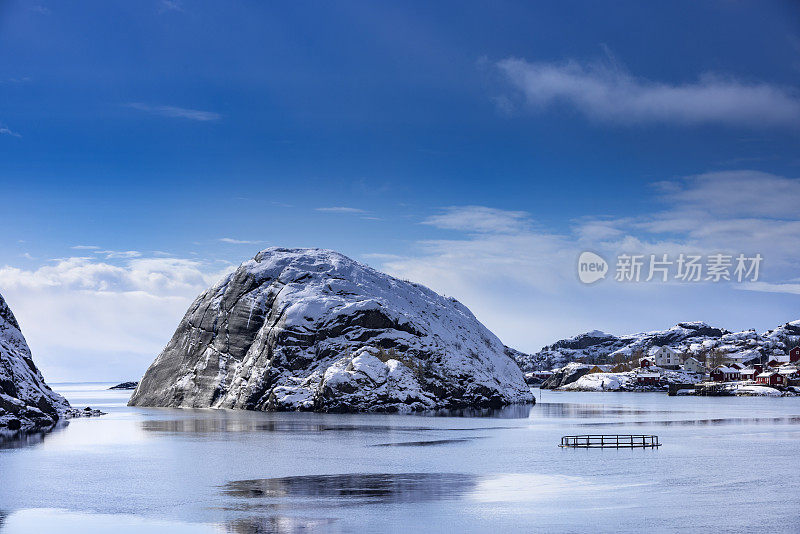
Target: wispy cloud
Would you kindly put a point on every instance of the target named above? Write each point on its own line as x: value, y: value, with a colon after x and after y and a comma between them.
x: 791, y: 289
x: 519, y: 277
x: 480, y: 219
x: 341, y: 209
x: 240, y: 241
x: 85, y: 247
x: 177, y: 112
x: 607, y: 92
x: 171, y: 5
x: 118, y: 254
x: 22, y: 79
x: 6, y: 131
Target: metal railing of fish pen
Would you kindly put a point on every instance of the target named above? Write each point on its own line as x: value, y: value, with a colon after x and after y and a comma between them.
x: 610, y: 441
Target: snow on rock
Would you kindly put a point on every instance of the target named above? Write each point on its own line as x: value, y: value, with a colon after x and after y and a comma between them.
x: 627, y: 381
x: 756, y: 391
x: 689, y: 338
x: 310, y: 329
x: 26, y: 402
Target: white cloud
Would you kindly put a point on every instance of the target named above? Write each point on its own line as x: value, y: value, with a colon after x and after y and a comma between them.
x: 6, y: 131
x: 341, y: 209
x: 606, y: 92
x: 521, y: 279
x: 480, y: 219
x: 171, y: 5
x: 233, y: 241
x: 85, y: 247
x: 114, y: 254
x: 177, y: 112
x: 120, y: 314
x: 791, y: 289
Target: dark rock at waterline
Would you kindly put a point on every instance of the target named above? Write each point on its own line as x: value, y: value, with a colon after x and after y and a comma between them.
x: 74, y: 413
x: 26, y: 401
x: 125, y: 385
x: 566, y: 375
x: 310, y: 329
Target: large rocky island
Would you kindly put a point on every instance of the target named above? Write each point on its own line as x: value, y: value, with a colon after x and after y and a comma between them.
x: 26, y: 402
x: 310, y: 329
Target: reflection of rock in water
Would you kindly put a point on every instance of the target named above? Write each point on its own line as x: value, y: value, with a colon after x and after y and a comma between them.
x: 425, y: 443
x: 279, y: 525
x: 591, y: 411
x: 18, y: 440
x: 211, y: 424
x: 512, y: 411
x: 373, y: 487
x: 794, y: 420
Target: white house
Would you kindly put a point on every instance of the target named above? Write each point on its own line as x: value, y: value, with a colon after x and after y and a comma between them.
x: 665, y: 357
x: 693, y: 365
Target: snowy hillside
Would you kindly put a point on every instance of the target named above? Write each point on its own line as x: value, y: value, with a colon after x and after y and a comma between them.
x: 310, y: 329
x: 692, y: 338
x: 26, y: 402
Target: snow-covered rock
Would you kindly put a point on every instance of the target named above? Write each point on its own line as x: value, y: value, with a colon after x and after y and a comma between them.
x: 26, y: 402
x: 310, y: 329
x: 627, y: 381
x: 688, y: 338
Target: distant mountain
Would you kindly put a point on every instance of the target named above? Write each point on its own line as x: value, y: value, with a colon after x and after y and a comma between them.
x: 311, y: 329
x: 692, y: 338
x: 26, y: 402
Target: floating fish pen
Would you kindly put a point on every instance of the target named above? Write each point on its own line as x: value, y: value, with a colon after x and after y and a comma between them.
x: 610, y: 441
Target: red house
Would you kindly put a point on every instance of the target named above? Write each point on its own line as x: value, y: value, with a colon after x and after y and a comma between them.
x: 794, y: 355
x: 771, y: 378
x: 723, y: 373
x: 750, y: 374
x: 644, y: 363
x: 648, y: 379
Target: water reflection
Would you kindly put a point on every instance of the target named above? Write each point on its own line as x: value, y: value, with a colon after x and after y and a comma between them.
x: 281, y: 525
x: 20, y: 439
x: 204, y: 425
x: 427, y: 443
x: 513, y: 411
x: 793, y: 420
x: 591, y: 411
x: 213, y: 422
x: 357, y: 488
x: 63, y: 521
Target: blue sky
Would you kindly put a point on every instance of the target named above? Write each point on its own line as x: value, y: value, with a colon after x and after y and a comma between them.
x: 146, y: 147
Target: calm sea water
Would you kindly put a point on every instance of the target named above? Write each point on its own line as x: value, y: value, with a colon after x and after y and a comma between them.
x: 726, y: 465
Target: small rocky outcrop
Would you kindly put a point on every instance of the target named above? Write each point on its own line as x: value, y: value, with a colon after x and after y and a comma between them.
x: 26, y: 401
x: 310, y: 329
x: 566, y: 375
x: 125, y: 385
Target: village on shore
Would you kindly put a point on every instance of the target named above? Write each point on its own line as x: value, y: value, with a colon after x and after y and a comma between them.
x: 665, y: 369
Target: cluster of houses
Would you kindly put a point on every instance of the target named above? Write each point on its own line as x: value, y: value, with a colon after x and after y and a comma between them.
x: 780, y: 370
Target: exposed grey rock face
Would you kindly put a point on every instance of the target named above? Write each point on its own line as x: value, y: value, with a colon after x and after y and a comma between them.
x: 310, y: 329
x: 566, y: 375
x: 26, y: 402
